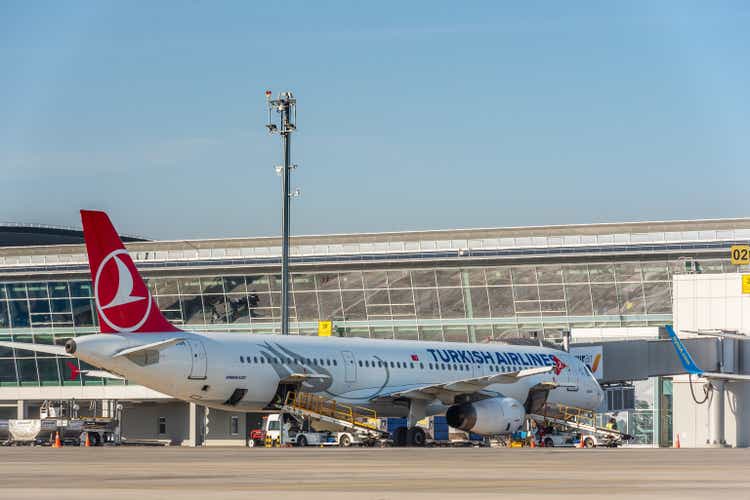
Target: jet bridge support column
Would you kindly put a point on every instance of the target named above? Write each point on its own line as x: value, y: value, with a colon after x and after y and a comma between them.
x: 716, y: 415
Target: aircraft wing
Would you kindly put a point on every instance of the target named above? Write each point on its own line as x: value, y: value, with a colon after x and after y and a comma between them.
x: 57, y: 350
x: 447, y: 392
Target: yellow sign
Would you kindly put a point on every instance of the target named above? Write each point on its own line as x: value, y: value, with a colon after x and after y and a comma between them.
x: 746, y: 283
x: 740, y: 254
x: 325, y: 328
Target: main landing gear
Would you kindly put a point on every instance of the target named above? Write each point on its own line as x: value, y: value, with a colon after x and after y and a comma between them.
x: 409, y: 436
x: 412, y: 435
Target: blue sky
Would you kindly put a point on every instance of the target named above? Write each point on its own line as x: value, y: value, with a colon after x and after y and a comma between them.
x: 412, y: 115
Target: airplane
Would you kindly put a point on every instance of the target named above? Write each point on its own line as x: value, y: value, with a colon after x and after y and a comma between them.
x: 487, y: 389
x: 692, y: 368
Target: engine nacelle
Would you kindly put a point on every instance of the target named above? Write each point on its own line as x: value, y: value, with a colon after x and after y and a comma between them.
x: 487, y: 417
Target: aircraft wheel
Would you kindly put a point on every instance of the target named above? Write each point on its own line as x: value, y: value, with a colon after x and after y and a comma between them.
x: 548, y: 443
x: 416, y: 437
x: 302, y: 441
x: 345, y: 441
x: 400, y: 436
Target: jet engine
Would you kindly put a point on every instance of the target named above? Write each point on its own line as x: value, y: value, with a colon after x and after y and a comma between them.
x: 487, y: 417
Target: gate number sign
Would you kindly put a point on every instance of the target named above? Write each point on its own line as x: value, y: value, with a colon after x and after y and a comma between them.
x: 740, y: 254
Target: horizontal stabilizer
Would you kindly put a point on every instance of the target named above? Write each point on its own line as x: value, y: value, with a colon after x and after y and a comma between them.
x: 146, y: 347
x: 100, y: 374
x: 57, y: 350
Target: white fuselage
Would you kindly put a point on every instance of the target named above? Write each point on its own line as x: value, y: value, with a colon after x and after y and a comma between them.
x: 208, y: 369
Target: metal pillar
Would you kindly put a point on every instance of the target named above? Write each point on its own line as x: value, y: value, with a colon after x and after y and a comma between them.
x: 286, y: 107
x: 716, y: 415
x: 21, y: 409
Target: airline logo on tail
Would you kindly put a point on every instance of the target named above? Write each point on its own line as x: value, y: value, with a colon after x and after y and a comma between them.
x: 559, y: 365
x: 123, y: 302
x: 121, y: 307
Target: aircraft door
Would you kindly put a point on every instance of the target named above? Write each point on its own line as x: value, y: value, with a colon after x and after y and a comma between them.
x: 198, y: 360
x: 350, y: 366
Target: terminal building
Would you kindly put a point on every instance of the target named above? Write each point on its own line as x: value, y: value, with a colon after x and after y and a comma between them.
x: 596, y: 283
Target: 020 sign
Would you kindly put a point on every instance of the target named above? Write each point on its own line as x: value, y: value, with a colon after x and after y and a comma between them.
x: 740, y: 254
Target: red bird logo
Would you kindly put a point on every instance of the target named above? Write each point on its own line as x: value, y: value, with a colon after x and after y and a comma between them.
x: 74, y: 371
x: 559, y: 365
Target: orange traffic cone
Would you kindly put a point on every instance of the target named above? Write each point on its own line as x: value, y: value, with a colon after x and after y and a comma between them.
x: 57, y: 443
x: 677, y: 441
x: 87, y: 443
x: 533, y: 443
x: 580, y: 442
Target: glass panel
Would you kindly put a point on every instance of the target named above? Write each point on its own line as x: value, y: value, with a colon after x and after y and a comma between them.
x: 655, y: 271
x: 456, y: 334
x: 274, y: 281
x: 4, y: 320
x: 480, y: 306
x: 549, y: 274
x: 16, y: 290
x: 426, y: 301
x: 235, y: 284
x: 327, y: 281
x: 605, y: 299
x: 306, y: 305
x: 424, y: 278
x: 27, y: 371
x: 524, y: 275
x: 407, y: 333
x: 578, y: 299
x: 358, y: 332
x: 576, y: 274
x: 189, y: 286
x: 330, y: 304
x: 60, y: 305
x: 19, y: 313
x: 257, y: 283
x: 382, y: 333
x: 39, y: 306
x: 58, y: 289
x: 168, y: 303
x: 551, y: 292
x: 658, y: 298
x: 528, y: 307
x: 498, y: 276
x: 526, y: 293
x: 238, y: 310
x: 7, y: 371
x: 81, y: 289
x: 354, y: 305
x: 375, y: 279
x: 164, y: 286
x: 501, y: 301
x: 475, y: 276
x: 83, y: 312
x: 65, y: 371
x: 215, y: 309
x: 628, y: 271
x: 600, y: 273
x: 448, y: 277
x: 431, y: 333
x: 351, y: 280
x: 37, y: 290
x: 303, y: 282
x: 631, y: 298
x: 48, y: 371
x: 399, y: 279
x: 377, y: 297
x: 212, y: 285
x: 192, y: 309
x: 451, y: 303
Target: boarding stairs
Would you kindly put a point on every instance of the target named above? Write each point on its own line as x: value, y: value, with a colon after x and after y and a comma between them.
x: 305, y: 404
x: 579, y: 419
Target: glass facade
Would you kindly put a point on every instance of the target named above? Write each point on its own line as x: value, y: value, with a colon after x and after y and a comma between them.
x: 463, y: 303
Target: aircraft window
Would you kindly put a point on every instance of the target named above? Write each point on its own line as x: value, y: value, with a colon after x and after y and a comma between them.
x: 262, y: 360
x: 380, y: 364
x: 430, y: 365
x: 255, y: 359
x: 421, y: 366
x: 242, y: 360
x: 335, y: 363
x: 398, y: 364
x: 443, y: 366
x: 322, y: 363
x: 412, y: 365
x: 360, y: 364
x: 392, y: 365
x: 276, y: 360
x: 328, y: 361
x: 289, y: 361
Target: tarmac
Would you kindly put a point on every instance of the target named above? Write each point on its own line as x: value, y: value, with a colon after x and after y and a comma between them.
x: 331, y: 474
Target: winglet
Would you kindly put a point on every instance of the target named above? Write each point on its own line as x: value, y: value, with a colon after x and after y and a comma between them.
x: 682, y: 353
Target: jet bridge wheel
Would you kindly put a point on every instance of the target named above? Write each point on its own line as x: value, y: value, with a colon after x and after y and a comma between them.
x: 416, y: 437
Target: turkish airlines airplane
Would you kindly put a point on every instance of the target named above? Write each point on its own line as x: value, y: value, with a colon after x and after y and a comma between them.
x: 485, y: 389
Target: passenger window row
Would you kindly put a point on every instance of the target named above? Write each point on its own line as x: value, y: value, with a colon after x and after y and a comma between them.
x: 430, y: 366
x: 273, y: 360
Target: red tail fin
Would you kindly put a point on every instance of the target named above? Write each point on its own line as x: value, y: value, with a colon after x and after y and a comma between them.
x: 123, y: 301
